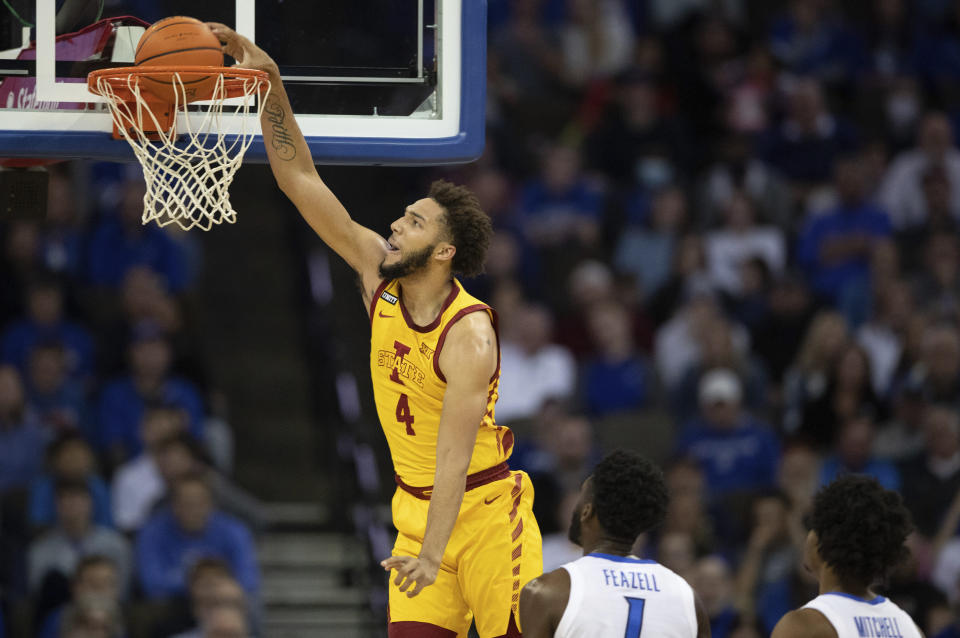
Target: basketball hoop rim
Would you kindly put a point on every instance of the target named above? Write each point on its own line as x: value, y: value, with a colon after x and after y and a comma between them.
x: 235, y: 80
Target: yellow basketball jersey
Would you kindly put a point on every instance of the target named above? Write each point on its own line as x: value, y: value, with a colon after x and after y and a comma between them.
x: 408, y: 385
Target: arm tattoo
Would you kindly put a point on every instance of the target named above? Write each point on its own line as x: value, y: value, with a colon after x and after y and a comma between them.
x: 280, y: 139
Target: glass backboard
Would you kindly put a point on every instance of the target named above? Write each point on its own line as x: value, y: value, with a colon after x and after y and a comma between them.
x: 371, y: 82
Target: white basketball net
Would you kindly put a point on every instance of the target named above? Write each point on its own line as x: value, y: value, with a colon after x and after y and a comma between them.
x: 188, y: 172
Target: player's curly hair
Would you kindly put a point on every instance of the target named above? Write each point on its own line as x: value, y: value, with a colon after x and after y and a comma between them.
x: 629, y: 495
x: 469, y: 227
x: 861, y: 528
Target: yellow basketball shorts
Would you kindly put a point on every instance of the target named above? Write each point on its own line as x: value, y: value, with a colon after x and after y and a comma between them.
x: 495, y: 549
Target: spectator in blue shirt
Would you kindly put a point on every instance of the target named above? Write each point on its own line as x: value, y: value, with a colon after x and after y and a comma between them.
x: 647, y: 251
x: 736, y: 452
x: 69, y: 458
x: 45, y: 322
x: 121, y: 242
x: 123, y: 400
x: 618, y: 377
x: 808, y: 40
x: 60, y: 401
x: 835, y: 247
x: 22, y: 438
x: 854, y: 455
x: 952, y: 631
x: 562, y: 205
x: 189, y: 529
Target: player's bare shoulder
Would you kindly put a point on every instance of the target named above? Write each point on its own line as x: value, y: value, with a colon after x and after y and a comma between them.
x: 804, y: 623
x: 542, y: 603
x: 470, y: 346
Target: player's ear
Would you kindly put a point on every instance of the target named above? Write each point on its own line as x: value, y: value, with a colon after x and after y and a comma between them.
x: 586, y: 512
x: 444, y: 251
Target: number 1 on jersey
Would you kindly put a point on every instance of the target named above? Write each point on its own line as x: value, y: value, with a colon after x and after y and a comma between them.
x: 404, y: 415
x: 634, y: 617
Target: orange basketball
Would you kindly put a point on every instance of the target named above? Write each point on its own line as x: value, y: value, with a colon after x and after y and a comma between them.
x: 183, y: 42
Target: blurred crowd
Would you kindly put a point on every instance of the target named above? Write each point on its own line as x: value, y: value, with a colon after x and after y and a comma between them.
x: 118, y: 516
x: 726, y: 236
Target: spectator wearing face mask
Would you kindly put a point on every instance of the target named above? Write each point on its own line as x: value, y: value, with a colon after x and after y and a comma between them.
x: 92, y: 618
x: 95, y: 578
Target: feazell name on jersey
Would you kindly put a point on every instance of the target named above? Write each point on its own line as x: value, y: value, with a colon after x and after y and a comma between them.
x: 873, y: 627
x: 630, y: 580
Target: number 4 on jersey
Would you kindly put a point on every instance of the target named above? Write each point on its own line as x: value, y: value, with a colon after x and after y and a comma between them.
x: 404, y: 415
x: 634, y: 617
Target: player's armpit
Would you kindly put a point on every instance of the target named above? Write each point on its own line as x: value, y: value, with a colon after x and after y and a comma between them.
x: 542, y: 603
x: 804, y: 623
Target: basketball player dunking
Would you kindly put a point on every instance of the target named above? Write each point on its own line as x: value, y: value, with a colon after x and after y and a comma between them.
x: 609, y: 593
x: 857, y: 534
x: 467, y: 538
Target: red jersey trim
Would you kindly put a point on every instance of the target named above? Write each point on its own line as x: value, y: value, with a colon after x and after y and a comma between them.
x: 417, y: 629
x: 436, y: 322
x: 454, y: 319
x: 475, y: 480
x: 373, y: 302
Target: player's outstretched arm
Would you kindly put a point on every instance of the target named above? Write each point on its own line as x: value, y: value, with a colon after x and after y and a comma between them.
x: 542, y: 603
x: 295, y: 172
x: 804, y: 623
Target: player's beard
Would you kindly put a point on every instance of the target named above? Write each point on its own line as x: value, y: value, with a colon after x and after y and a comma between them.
x: 409, y: 265
x: 574, y: 533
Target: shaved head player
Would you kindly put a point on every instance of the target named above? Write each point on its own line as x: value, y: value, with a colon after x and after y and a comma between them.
x: 609, y: 593
x: 467, y: 540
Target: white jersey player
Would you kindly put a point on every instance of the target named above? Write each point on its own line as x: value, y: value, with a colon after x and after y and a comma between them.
x: 609, y: 593
x: 857, y: 536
